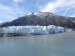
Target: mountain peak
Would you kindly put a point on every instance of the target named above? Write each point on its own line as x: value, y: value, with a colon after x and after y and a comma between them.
x: 41, y: 14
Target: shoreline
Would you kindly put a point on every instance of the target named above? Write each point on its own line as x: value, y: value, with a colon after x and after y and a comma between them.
x: 70, y: 33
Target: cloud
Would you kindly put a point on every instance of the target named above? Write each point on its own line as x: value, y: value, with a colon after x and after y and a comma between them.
x: 53, y: 6
x: 9, y: 13
x: 4, y: 7
x: 12, y: 9
x: 17, y: 1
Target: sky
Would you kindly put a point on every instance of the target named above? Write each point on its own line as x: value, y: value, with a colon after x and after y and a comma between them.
x: 12, y: 9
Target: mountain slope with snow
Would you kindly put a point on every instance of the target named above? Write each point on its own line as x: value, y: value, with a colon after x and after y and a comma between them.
x: 42, y: 19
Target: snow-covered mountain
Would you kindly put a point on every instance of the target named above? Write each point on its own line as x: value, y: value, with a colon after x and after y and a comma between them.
x: 42, y: 19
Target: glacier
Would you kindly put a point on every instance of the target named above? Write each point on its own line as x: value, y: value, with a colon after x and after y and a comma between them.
x: 32, y: 30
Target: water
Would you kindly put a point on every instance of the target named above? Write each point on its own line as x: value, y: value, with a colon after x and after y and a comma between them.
x: 39, y: 45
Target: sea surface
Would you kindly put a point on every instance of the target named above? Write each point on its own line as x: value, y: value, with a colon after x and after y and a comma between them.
x: 62, y: 44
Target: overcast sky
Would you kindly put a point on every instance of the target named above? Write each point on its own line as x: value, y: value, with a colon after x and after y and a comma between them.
x: 12, y: 9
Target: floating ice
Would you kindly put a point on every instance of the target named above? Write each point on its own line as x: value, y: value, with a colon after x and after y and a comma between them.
x: 26, y: 30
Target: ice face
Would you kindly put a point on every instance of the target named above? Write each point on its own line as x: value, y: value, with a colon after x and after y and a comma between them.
x: 25, y: 30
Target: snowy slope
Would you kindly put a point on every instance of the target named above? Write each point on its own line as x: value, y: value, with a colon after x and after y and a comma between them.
x: 42, y: 19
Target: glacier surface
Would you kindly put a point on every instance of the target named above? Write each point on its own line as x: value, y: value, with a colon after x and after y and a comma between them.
x: 26, y: 30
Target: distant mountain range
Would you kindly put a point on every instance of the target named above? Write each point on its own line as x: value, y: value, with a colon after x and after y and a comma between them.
x: 42, y: 18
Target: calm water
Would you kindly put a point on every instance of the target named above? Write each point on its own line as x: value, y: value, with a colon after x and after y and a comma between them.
x: 39, y: 45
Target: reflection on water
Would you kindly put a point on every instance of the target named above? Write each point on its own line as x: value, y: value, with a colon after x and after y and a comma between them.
x: 38, y: 45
